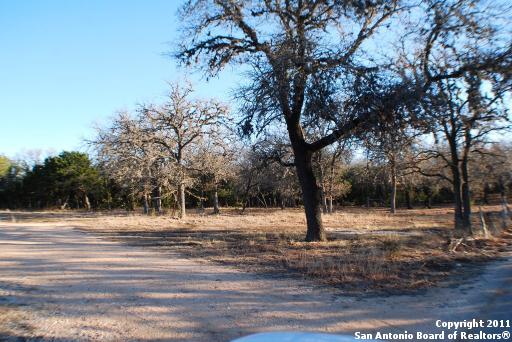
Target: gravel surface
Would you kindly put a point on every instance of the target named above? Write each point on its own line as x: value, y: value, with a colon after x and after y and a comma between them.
x: 61, y: 284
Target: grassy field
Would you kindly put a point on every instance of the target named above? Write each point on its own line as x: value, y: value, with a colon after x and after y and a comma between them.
x: 368, y: 250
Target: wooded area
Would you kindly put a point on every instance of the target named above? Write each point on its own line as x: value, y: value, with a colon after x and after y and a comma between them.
x: 282, y: 168
x: 390, y: 103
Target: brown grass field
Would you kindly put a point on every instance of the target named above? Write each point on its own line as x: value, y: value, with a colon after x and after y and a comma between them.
x: 369, y: 250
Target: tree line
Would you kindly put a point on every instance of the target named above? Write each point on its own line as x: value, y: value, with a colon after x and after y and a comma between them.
x: 242, y: 176
x: 421, y: 87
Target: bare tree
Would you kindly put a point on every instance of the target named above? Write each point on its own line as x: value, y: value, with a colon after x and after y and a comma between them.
x: 125, y: 156
x: 214, y: 162
x: 464, y: 61
x: 177, y: 127
x: 274, y: 156
x: 491, y: 172
x: 465, y: 116
x: 248, y: 167
x: 392, y: 142
x: 297, y: 51
x: 330, y: 164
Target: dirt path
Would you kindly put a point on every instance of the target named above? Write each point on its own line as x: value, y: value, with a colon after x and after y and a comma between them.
x: 70, y: 285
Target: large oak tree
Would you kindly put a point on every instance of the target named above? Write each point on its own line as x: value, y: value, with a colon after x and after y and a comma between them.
x: 301, y: 55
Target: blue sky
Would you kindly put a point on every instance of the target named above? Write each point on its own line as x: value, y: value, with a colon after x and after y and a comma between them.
x: 68, y: 64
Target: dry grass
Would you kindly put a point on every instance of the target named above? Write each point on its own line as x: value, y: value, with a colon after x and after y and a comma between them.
x: 260, y: 219
x: 368, y: 250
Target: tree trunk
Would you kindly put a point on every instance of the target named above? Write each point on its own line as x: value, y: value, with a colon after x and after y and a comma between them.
x: 457, y: 194
x: 505, y: 205
x: 311, y: 194
x: 502, y: 187
x: 325, y: 210
x: 157, y: 199
x: 303, y: 159
x: 393, y: 189
x: 262, y: 199
x: 408, y: 198
x: 87, y: 203
x: 456, y: 182
x: 216, y: 209
x: 428, y: 199
x: 482, y: 222
x: 330, y: 209
x: 181, y: 191
x: 201, y: 202
x: 466, y: 198
x: 486, y: 193
x: 65, y: 204
x: 451, y: 137
x: 145, y: 204
x: 322, y: 184
x: 130, y: 202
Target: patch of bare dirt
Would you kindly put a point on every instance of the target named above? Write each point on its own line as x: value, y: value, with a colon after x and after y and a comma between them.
x: 61, y: 284
x: 410, y: 251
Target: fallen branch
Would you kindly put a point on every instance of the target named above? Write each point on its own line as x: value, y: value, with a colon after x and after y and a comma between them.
x: 458, y: 242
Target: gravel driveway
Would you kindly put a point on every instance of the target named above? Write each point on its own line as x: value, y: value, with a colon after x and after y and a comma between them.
x: 69, y: 285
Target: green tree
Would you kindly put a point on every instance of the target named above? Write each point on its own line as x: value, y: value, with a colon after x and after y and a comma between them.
x: 60, y: 179
x: 5, y: 165
x: 11, y: 176
x: 74, y: 176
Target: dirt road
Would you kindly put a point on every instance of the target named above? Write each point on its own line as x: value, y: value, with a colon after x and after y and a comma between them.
x: 63, y: 284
